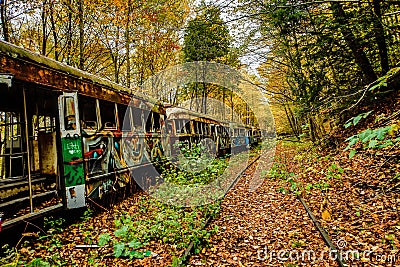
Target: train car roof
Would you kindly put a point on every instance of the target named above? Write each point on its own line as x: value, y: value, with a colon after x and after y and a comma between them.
x: 174, y: 112
x: 30, y: 67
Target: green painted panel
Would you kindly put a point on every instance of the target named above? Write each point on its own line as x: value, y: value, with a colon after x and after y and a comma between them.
x: 73, y: 161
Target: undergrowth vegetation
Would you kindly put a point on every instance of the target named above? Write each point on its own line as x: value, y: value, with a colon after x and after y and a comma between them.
x: 137, y: 230
x: 160, y: 223
x: 375, y: 137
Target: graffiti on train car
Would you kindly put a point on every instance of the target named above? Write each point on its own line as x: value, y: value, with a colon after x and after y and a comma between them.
x: 154, y: 148
x: 133, y: 149
x: 73, y: 168
x: 112, y: 151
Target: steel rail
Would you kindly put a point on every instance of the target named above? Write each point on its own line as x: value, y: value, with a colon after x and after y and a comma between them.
x: 188, y: 250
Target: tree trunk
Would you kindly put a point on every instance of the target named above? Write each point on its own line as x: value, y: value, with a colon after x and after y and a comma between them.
x: 231, y: 106
x: 311, y: 129
x: 380, y: 36
x: 128, y: 44
x: 81, y: 35
x: 69, y: 34
x: 291, y: 121
x: 44, y: 31
x: 353, y: 43
x: 115, y: 57
x: 223, y: 103
x: 53, y: 30
x: 4, y: 20
x: 204, y: 98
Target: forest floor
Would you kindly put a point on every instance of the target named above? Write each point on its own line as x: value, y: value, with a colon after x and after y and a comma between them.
x: 355, y: 200
x: 263, y: 228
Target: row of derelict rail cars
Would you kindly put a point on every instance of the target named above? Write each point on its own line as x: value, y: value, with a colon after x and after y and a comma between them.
x: 68, y: 138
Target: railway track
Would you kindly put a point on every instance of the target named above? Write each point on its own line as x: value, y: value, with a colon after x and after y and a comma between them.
x: 188, y: 253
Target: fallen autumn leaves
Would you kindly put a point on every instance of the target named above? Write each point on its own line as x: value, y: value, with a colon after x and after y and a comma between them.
x: 267, y: 227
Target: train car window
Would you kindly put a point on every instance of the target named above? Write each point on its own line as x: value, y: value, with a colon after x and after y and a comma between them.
x: 169, y: 127
x: 187, y: 127
x: 227, y: 131
x: 87, y: 110
x: 156, y: 122
x: 149, y: 121
x: 182, y: 126
x: 125, y: 118
x: 41, y: 123
x: 194, y: 127
x: 69, y: 113
x: 107, y: 114
x: 198, y: 128
x: 138, y: 117
x: 178, y: 126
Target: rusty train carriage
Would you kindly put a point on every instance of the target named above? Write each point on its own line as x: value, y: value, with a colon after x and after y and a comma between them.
x: 66, y: 135
x: 191, y: 127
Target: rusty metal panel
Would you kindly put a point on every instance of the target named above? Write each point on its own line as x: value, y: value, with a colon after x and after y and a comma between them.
x: 73, y: 196
x: 48, y: 153
x: 36, y: 156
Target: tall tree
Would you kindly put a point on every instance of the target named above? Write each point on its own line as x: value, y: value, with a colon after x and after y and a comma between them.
x: 206, y: 39
x: 327, y: 52
x: 4, y: 20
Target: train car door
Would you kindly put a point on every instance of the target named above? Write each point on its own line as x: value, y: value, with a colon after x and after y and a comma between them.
x: 72, y: 151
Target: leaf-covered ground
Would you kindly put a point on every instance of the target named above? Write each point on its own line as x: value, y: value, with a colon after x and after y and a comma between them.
x: 355, y: 200
x: 152, y: 234
x: 263, y: 228
x: 358, y: 203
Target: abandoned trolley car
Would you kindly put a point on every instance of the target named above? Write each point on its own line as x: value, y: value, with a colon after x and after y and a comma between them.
x: 61, y: 135
x: 67, y: 136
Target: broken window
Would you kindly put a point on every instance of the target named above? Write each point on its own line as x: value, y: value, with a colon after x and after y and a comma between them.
x: 107, y: 114
x: 88, y: 107
x: 125, y: 118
